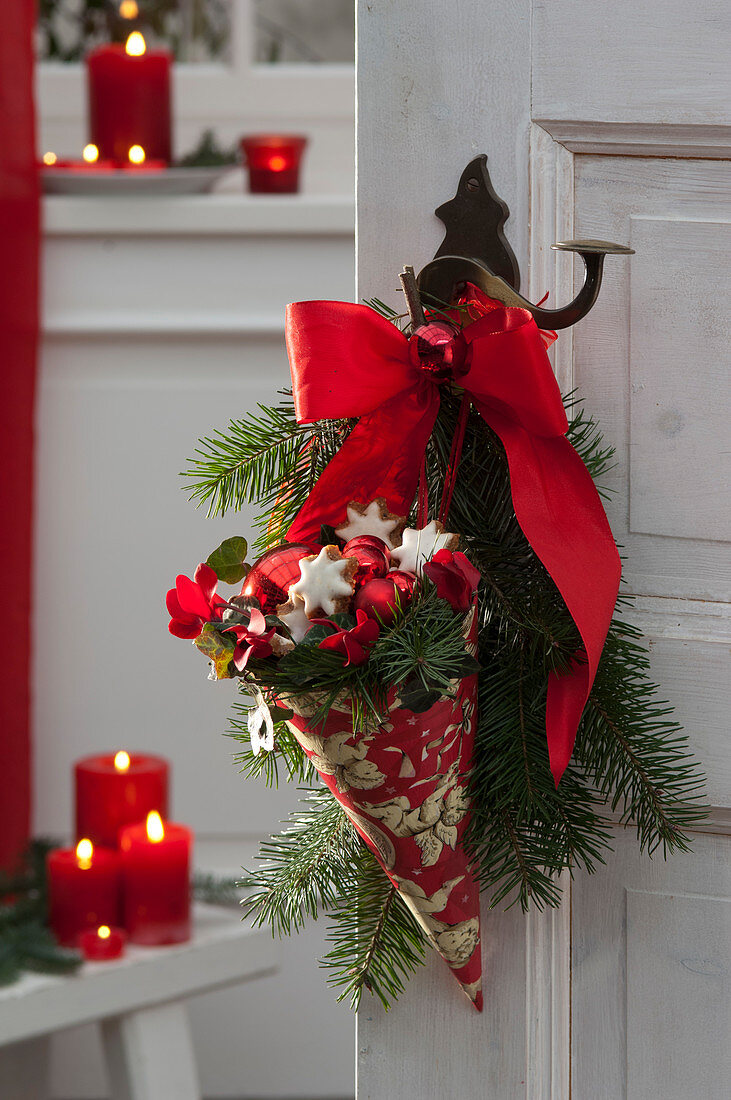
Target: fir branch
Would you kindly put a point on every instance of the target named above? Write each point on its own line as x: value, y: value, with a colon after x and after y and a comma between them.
x: 265, y: 765
x: 523, y: 830
x: 585, y: 436
x: 308, y: 866
x: 244, y: 462
x: 376, y: 942
x: 215, y: 890
x: 635, y: 753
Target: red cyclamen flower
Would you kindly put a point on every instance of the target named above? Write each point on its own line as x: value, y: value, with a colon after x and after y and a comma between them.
x: 455, y: 577
x: 194, y: 602
x: 354, y: 643
x: 253, y: 639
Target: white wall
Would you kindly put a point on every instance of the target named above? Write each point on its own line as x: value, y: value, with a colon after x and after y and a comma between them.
x: 162, y: 319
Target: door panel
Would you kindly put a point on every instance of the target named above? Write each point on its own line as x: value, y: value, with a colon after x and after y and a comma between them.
x: 651, y: 976
x: 650, y: 959
x: 651, y: 362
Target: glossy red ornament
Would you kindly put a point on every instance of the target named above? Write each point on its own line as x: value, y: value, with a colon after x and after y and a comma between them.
x: 273, y: 573
x: 380, y: 599
x: 439, y: 349
x: 373, y: 560
x: 405, y: 582
x: 373, y: 542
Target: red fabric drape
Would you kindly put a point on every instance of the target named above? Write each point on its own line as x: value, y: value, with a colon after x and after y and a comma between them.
x: 19, y: 232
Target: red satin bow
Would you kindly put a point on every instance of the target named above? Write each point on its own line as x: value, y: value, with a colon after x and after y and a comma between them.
x: 347, y: 361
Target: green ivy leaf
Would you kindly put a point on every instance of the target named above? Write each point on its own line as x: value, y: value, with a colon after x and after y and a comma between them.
x: 227, y: 560
x: 218, y: 648
x: 280, y: 714
x: 417, y: 698
x: 344, y: 620
x: 468, y: 666
x: 316, y: 634
x: 328, y: 536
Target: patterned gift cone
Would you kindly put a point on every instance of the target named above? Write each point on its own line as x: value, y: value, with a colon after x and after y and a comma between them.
x: 404, y: 787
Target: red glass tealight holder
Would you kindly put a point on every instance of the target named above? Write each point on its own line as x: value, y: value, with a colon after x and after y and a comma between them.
x: 273, y: 162
x: 102, y: 944
x: 156, y: 881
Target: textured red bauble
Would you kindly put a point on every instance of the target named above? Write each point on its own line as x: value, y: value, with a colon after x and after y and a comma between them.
x: 380, y: 599
x: 273, y: 573
x: 371, y: 541
x: 439, y: 349
x: 404, y: 582
x: 372, y: 561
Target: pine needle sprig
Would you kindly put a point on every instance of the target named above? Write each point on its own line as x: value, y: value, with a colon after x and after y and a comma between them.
x: 585, y: 436
x: 265, y: 765
x: 523, y: 830
x: 635, y: 753
x: 307, y: 867
x: 376, y: 942
x: 243, y: 462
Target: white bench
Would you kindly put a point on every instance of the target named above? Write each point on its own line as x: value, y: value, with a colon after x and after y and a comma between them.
x: 139, y: 1001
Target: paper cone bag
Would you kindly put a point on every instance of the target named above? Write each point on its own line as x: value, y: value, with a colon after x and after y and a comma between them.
x: 404, y: 787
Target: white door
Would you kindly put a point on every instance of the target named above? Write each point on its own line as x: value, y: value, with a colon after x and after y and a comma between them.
x: 611, y: 121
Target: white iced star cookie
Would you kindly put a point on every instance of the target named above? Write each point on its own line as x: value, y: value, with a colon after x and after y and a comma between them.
x: 419, y: 546
x: 326, y: 582
x: 292, y: 614
x: 372, y: 519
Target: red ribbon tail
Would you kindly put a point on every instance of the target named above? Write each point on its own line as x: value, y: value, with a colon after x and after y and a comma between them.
x: 560, y: 513
x: 565, y: 702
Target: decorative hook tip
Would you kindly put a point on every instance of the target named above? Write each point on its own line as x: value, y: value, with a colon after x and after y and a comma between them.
x: 604, y: 248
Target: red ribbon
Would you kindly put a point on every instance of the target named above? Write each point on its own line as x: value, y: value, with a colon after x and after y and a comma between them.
x: 348, y: 361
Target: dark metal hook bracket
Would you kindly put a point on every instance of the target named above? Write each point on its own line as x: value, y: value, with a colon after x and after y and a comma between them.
x: 475, y: 250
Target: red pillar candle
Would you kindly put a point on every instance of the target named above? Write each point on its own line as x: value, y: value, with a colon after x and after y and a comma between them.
x: 103, y: 943
x: 83, y: 889
x: 273, y: 162
x: 156, y: 881
x: 118, y: 789
x: 129, y: 100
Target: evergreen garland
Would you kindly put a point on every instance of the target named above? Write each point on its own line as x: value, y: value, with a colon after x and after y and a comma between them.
x: 26, y: 942
x: 630, y: 763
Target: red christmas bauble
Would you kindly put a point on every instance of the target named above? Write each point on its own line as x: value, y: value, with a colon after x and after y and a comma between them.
x: 439, y: 349
x: 380, y: 599
x: 373, y: 561
x: 404, y: 582
x: 371, y: 541
x: 271, y: 576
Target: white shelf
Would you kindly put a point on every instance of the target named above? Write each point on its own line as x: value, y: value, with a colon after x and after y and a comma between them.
x: 222, y: 952
x: 204, y: 215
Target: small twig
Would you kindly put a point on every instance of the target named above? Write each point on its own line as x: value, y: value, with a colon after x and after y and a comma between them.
x: 413, y: 301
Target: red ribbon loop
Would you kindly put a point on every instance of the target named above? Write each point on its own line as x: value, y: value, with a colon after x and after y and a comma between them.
x: 347, y: 361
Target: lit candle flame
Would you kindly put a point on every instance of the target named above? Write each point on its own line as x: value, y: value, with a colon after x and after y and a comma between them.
x: 103, y: 931
x: 121, y: 761
x: 135, y: 45
x: 90, y: 153
x: 84, y: 852
x: 128, y: 9
x: 136, y: 154
x: 277, y: 163
x: 49, y: 158
x: 155, y: 828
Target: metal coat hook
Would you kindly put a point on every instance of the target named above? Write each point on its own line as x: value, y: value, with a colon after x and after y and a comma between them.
x: 475, y: 250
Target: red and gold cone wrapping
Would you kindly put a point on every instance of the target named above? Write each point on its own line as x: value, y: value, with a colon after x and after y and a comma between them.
x: 404, y: 787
